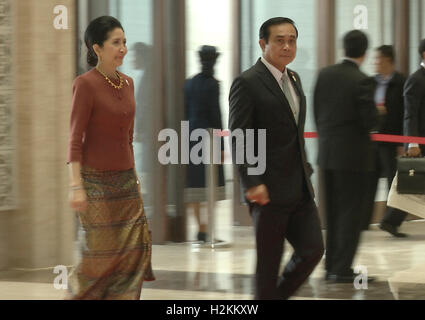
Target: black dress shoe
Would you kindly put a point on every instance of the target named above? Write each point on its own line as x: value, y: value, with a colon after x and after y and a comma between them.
x: 336, y: 278
x: 392, y: 230
x: 202, y: 236
x: 330, y: 275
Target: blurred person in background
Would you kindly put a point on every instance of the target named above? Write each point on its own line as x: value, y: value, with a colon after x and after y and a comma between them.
x: 345, y: 114
x: 390, y: 105
x: 105, y: 191
x: 202, y: 94
x: 414, y: 104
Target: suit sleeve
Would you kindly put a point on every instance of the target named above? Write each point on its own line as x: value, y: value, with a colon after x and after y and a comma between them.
x: 308, y: 165
x: 400, y: 110
x: 82, y: 105
x: 241, y: 115
x: 412, y: 99
x: 316, y: 100
x: 366, y: 104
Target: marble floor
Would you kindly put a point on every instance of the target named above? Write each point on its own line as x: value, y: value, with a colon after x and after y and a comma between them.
x: 190, y: 272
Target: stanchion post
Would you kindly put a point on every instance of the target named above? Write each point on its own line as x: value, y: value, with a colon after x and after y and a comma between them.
x: 211, y: 174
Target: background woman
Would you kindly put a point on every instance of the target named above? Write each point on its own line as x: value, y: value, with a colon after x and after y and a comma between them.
x: 203, y: 112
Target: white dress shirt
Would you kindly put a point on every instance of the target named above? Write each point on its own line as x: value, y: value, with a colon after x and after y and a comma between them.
x: 278, y: 75
x: 415, y: 145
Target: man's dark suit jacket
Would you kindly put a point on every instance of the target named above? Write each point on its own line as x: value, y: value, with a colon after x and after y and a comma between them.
x: 414, y: 104
x: 258, y: 102
x: 345, y: 113
x: 392, y: 122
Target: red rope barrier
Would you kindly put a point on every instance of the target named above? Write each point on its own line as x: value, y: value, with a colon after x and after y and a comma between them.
x: 381, y: 138
x: 374, y: 137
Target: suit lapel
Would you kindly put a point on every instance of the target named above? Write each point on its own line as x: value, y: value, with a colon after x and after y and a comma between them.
x: 271, y: 83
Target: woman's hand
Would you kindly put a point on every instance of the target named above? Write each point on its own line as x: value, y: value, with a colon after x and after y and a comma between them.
x: 78, y: 200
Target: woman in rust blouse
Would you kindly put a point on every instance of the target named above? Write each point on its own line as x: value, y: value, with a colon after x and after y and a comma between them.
x: 105, y: 191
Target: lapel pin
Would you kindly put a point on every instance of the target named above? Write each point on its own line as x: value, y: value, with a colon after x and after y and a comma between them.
x: 127, y: 82
x: 293, y: 76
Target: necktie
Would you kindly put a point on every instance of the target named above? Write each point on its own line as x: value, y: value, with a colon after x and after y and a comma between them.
x: 288, y: 95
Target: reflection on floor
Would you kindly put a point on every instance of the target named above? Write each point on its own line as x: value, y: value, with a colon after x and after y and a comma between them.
x: 187, y: 272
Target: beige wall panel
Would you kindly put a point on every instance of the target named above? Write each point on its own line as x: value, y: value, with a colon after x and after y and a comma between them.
x: 42, y: 229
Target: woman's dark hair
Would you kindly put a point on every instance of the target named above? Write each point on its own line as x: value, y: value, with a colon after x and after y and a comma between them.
x: 265, y: 28
x: 355, y: 44
x: 97, y: 33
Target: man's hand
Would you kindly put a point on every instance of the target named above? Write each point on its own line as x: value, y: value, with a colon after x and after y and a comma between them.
x: 258, y: 194
x: 414, y: 152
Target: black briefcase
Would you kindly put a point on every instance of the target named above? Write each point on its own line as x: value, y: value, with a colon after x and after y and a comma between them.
x: 411, y: 175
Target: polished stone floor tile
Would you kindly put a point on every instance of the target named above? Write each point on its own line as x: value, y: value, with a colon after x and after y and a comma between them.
x: 189, y: 272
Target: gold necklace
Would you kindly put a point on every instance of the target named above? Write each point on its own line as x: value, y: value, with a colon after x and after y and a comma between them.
x: 110, y: 82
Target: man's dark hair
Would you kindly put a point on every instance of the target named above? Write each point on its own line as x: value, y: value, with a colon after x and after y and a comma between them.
x: 97, y: 33
x: 355, y: 44
x: 422, y: 48
x: 265, y: 28
x: 387, y: 51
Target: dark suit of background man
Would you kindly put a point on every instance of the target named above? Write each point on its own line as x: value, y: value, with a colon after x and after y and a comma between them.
x: 414, y: 103
x: 345, y: 113
x: 389, y: 101
x: 270, y: 96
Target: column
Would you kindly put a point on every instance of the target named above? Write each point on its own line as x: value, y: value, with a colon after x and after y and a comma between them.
x: 41, y: 228
x: 401, y: 34
x: 168, y: 223
x: 7, y: 129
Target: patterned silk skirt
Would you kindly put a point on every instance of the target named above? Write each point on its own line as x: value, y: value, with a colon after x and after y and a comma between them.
x: 117, y: 248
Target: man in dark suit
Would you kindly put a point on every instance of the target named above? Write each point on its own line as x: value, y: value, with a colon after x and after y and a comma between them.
x: 389, y: 101
x: 414, y: 103
x: 345, y: 113
x: 270, y: 96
